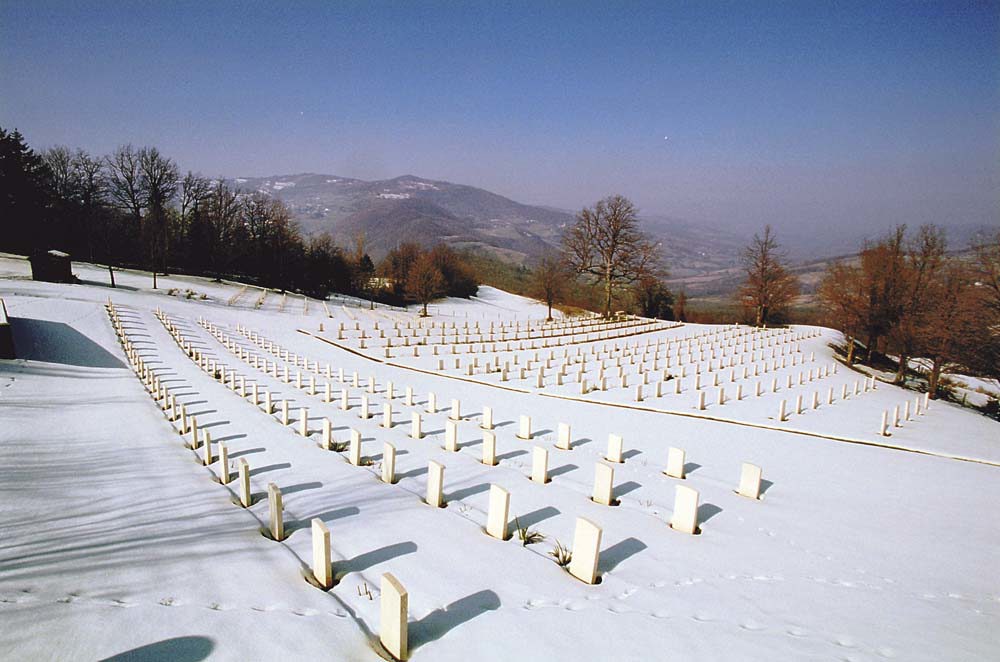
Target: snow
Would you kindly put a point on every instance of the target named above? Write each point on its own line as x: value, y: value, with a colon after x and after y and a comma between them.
x: 115, y: 537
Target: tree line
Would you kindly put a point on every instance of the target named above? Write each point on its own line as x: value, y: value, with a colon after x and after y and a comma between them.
x: 134, y: 208
x: 905, y: 294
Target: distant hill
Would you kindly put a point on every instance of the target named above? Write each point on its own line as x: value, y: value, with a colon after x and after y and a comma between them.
x: 411, y: 208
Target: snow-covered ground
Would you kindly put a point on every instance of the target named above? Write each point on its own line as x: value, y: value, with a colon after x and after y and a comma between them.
x: 113, y: 537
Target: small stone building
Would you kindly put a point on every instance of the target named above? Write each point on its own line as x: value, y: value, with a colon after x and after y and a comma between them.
x: 51, y: 266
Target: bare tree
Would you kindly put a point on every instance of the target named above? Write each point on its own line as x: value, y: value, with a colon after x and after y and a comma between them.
x: 925, y: 257
x: 842, y: 293
x: 59, y: 159
x: 195, y: 190
x: 606, y: 244
x: 549, y: 280
x: 769, y: 287
x: 951, y: 323
x: 425, y: 281
x: 125, y: 182
x: 158, y: 179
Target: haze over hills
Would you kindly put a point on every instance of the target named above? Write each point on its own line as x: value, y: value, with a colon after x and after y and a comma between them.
x: 410, y: 208
x: 701, y: 257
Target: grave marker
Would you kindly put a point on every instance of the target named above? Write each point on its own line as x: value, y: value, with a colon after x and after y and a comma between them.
x: 675, y: 463
x: 496, y: 520
x: 685, y: 516
x: 435, y: 483
x: 586, y: 551
x: 393, y: 611
x: 749, y: 481
x: 275, y: 510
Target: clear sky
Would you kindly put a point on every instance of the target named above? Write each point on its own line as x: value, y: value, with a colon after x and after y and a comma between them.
x: 802, y: 114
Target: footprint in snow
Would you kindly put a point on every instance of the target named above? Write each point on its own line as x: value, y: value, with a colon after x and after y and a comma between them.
x: 660, y: 613
x: 886, y: 652
x: 751, y: 625
x: 574, y: 606
x: 796, y: 631
x: 619, y: 609
x: 703, y: 617
x: 845, y: 641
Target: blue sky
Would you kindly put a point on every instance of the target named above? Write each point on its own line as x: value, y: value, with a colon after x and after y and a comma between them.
x: 801, y: 114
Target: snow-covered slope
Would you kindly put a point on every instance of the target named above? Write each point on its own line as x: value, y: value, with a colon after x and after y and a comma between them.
x: 115, y: 538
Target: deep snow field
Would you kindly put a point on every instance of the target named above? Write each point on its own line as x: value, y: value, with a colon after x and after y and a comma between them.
x: 116, y: 541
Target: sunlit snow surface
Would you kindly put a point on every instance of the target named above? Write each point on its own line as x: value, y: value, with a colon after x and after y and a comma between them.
x: 114, y: 538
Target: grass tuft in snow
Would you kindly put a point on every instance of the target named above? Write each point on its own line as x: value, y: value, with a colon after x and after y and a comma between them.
x: 562, y: 555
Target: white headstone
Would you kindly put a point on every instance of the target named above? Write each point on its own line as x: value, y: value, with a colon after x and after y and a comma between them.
x: 586, y: 551
x: 675, y: 463
x: 496, y: 521
x: 393, y: 610
x: 604, y: 479
x: 435, y: 483
x: 322, y: 568
x: 685, y: 516
x: 540, y: 465
x: 749, y: 481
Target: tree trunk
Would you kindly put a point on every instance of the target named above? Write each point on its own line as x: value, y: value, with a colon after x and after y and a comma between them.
x: 934, y: 377
x: 549, y: 319
x: 870, y: 348
x: 901, y: 370
x: 154, y: 278
x: 111, y: 272
x: 607, y: 294
x: 850, y: 350
x: 424, y: 314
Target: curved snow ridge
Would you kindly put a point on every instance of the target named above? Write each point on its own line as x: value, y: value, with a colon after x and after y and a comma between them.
x: 654, y: 410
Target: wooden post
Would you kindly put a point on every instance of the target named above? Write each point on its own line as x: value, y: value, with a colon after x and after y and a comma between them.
x: 415, y: 430
x: 322, y: 568
x: 284, y: 412
x: 487, y: 418
x: 387, y: 415
x: 456, y: 410
x: 450, y: 436
x: 304, y: 421
x: 496, y: 520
